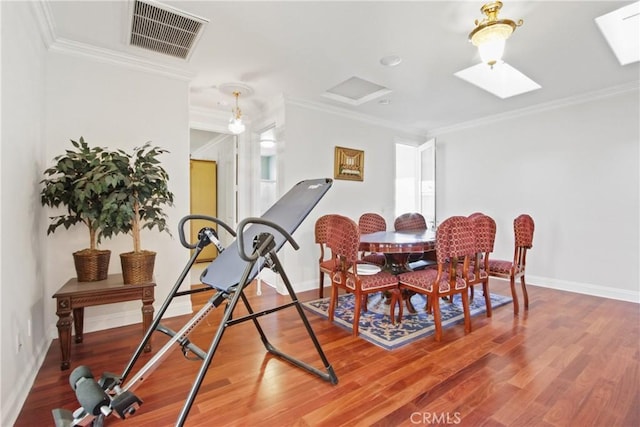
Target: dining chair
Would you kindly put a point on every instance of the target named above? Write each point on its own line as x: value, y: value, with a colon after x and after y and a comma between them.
x: 344, y: 240
x: 370, y: 223
x: 484, y: 230
x: 523, y: 227
x: 326, y: 263
x: 414, y: 221
x: 410, y: 221
x: 455, y: 245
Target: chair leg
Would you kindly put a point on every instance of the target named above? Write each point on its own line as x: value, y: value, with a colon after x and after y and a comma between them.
x: 467, y: 314
x: 321, y: 288
x: 396, y: 298
x: 512, y: 282
x: 524, y: 293
x: 487, y: 296
x: 356, y: 314
x: 333, y: 301
x: 436, y: 318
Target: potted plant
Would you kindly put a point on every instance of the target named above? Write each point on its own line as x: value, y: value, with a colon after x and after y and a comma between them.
x: 137, y: 204
x: 81, y: 181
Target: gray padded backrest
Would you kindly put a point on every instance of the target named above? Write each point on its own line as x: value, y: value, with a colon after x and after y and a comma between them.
x: 288, y: 212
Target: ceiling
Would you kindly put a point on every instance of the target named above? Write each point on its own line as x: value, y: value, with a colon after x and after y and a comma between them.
x: 300, y: 49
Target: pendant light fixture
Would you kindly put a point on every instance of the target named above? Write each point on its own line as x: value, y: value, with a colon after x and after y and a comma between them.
x: 236, y: 126
x: 491, y: 33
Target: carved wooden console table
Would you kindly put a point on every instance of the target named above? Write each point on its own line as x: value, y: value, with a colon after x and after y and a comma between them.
x: 74, y: 296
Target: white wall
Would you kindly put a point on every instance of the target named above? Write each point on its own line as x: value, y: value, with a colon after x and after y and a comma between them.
x: 310, y: 137
x: 22, y: 228
x: 118, y: 107
x: 574, y: 169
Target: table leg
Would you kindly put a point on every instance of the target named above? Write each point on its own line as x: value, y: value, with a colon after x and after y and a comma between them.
x: 65, y: 320
x: 78, y: 323
x: 397, y: 262
x: 406, y: 295
x: 147, y: 315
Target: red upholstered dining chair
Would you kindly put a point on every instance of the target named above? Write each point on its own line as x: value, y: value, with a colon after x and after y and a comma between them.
x: 523, y: 227
x: 326, y: 263
x: 455, y: 245
x: 414, y: 221
x: 410, y: 221
x: 484, y: 230
x: 371, y: 223
x: 344, y: 241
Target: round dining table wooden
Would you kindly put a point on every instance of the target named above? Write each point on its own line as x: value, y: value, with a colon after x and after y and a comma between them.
x: 397, y: 247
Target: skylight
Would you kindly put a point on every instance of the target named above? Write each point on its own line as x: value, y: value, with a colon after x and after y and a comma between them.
x: 502, y: 80
x: 621, y: 29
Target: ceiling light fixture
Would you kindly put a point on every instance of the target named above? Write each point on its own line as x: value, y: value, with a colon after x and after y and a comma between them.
x: 235, y: 123
x: 491, y: 33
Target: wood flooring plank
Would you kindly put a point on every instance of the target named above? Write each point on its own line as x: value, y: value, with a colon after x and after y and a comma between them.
x: 570, y: 360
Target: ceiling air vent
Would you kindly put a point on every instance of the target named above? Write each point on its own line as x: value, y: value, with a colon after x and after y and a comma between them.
x: 164, y: 29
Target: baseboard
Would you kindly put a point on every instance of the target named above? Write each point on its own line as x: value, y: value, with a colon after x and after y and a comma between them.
x: 543, y: 282
x: 582, y: 288
x: 11, y: 409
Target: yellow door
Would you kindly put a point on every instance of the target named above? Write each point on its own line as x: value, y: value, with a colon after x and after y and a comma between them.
x: 203, y: 201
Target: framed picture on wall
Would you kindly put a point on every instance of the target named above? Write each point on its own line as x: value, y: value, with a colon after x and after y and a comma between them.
x: 348, y: 164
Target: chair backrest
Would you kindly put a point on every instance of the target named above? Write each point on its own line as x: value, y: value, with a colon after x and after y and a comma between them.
x: 455, y: 245
x: 523, y: 228
x: 455, y: 240
x: 410, y: 221
x: 344, y: 240
x: 371, y: 222
x: 484, y: 228
x: 321, y: 232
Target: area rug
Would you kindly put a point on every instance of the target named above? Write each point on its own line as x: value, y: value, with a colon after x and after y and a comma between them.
x: 375, y: 324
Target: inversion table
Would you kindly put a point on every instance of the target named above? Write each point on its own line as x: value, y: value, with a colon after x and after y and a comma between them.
x: 228, y: 275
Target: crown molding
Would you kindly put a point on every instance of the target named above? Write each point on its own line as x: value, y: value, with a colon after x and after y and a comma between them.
x: 44, y: 18
x: 406, y: 130
x: 539, y: 108
x: 42, y: 13
x: 72, y: 47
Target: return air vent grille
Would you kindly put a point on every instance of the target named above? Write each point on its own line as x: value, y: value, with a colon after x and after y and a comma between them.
x: 163, y: 29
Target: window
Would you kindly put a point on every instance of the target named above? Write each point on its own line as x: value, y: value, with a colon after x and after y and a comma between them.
x: 416, y: 180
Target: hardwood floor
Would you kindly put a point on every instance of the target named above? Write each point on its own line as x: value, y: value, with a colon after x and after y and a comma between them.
x: 572, y: 360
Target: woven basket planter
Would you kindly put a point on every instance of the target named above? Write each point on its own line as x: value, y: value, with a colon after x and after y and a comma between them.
x: 91, y: 265
x: 137, y: 267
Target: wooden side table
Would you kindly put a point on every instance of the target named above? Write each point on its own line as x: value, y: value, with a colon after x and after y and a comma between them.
x: 74, y: 296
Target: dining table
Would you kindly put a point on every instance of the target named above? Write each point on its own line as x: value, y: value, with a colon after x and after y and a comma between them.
x: 397, y: 247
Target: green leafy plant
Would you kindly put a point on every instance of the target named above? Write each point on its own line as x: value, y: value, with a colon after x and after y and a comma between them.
x: 142, y: 192
x: 82, y: 181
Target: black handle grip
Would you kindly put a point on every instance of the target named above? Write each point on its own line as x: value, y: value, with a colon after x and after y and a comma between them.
x: 182, y: 222
x: 253, y: 220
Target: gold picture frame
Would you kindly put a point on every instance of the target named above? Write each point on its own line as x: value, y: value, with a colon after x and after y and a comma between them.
x: 348, y: 164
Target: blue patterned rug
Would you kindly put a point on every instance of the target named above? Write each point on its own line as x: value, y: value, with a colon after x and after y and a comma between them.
x: 375, y: 325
